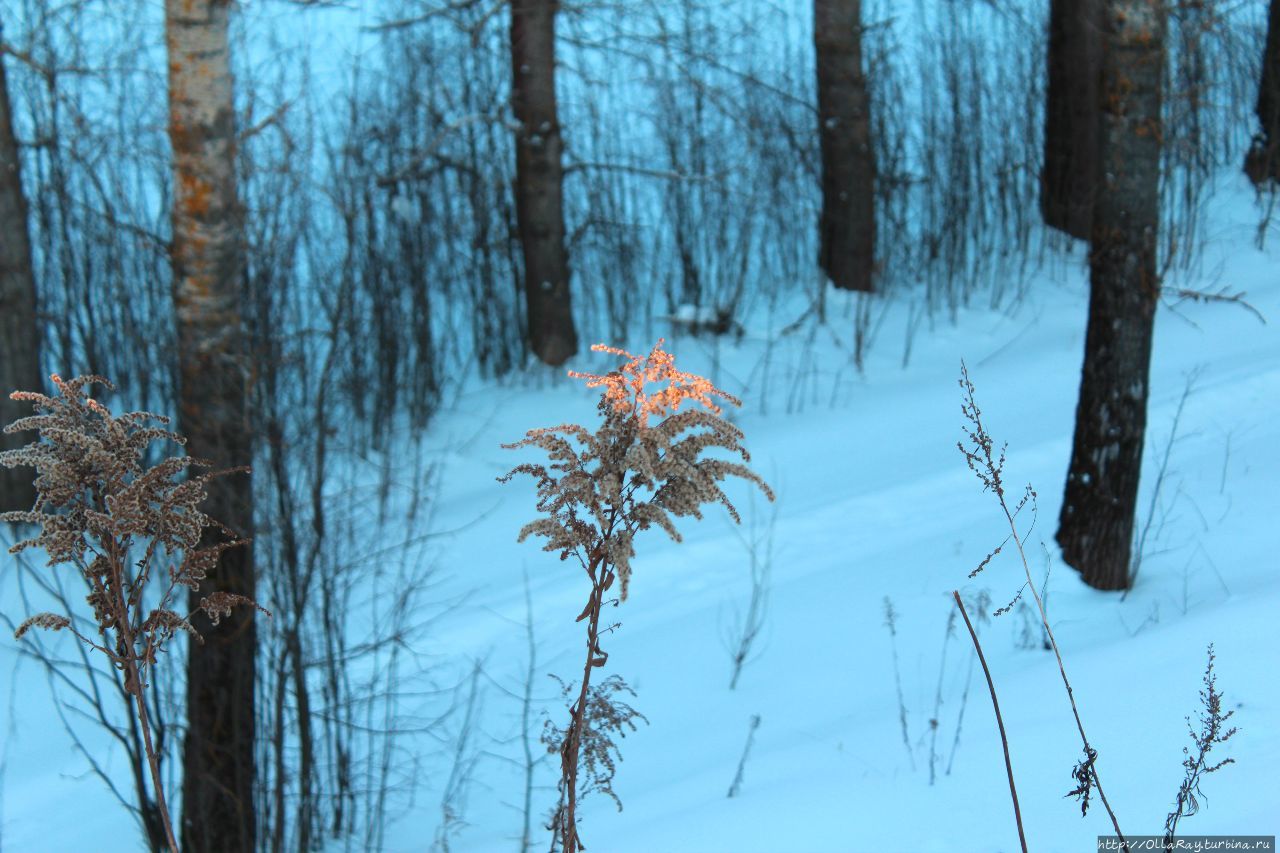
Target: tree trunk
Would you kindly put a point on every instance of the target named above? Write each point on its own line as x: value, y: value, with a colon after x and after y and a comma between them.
x: 1071, y: 115
x: 539, y: 180
x: 218, y: 754
x: 1263, y: 160
x: 19, y: 331
x: 847, y: 227
x: 1095, y: 528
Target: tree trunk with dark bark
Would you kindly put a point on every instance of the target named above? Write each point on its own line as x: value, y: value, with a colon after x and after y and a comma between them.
x: 847, y: 227
x: 207, y: 257
x: 1262, y: 163
x: 1071, y: 115
x: 19, y: 330
x: 539, y: 180
x: 1095, y: 528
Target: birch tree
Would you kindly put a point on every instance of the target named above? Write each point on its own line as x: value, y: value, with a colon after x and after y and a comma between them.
x: 207, y: 258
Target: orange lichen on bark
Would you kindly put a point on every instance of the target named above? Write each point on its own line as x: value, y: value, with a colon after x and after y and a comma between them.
x: 195, y: 195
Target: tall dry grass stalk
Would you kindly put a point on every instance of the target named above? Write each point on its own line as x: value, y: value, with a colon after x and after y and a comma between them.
x: 988, y: 466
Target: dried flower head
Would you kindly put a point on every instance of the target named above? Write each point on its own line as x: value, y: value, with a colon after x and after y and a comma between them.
x: 592, y: 496
x: 630, y: 389
x: 1213, y: 731
x: 118, y: 521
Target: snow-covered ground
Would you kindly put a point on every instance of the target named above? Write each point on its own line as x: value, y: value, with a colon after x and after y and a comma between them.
x: 875, y: 503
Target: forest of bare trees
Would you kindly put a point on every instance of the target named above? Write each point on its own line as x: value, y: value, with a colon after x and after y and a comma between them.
x: 303, y: 246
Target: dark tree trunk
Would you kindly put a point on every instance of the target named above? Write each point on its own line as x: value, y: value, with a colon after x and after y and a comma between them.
x: 1095, y: 528
x: 847, y: 227
x: 539, y: 180
x: 1071, y: 115
x: 207, y: 257
x: 19, y: 331
x: 1263, y: 160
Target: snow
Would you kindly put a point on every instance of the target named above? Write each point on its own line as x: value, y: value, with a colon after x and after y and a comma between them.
x: 875, y: 502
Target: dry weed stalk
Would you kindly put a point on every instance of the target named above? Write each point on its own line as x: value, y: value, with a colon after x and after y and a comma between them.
x: 995, y: 704
x: 608, y: 715
x: 989, y: 468
x: 736, y: 785
x: 123, y: 526
x: 1213, y: 732
x: 748, y: 625
x: 594, y: 498
x: 981, y: 603
x: 891, y: 622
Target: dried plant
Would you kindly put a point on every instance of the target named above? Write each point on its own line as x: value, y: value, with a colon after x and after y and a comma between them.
x: 606, y: 717
x: 935, y: 722
x: 1213, y: 732
x: 736, y: 786
x: 125, y: 527
x: 988, y: 466
x: 643, y: 465
x: 980, y: 604
x: 891, y: 622
x: 995, y: 704
x: 749, y: 624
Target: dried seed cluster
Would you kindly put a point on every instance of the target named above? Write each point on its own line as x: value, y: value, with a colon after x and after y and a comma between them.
x: 119, y: 522
x: 606, y: 717
x: 592, y: 494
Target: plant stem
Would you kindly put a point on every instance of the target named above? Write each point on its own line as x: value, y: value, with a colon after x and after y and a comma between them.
x: 995, y: 703
x: 152, y: 760
x: 573, y: 739
x: 527, y: 699
x: 1062, y: 670
x: 133, y: 676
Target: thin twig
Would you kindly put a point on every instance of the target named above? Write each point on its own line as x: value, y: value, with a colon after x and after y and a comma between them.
x: 1159, y: 486
x: 995, y: 703
x: 890, y: 621
x: 1219, y: 296
x: 746, y: 751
